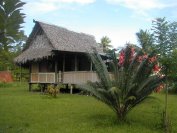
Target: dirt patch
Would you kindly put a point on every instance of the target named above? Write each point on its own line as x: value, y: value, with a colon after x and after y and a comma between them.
x: 6, y: 76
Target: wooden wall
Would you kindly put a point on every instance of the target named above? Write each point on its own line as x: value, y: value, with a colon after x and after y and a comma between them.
x: 34, y: 68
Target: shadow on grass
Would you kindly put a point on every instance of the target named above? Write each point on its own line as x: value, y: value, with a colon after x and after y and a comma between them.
x: 111, y: 121
x: 47, y: 96
x: 103, y: 120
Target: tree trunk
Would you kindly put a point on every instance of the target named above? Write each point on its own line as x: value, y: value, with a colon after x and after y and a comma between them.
x: 121, y: 115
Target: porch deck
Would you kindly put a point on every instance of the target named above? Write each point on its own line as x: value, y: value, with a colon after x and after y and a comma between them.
x: 73, y: 77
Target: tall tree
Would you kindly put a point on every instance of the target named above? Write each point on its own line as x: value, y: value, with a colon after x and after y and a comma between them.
x: 105, y: 43
x: 134, y: 79
x: 11, y: 19
x: 165, y: 33
x: 172, y: 36
x: 145, y: 39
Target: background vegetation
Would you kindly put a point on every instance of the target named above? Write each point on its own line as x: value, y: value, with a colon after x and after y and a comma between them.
x: 162, y: 38
x: 12, y: 37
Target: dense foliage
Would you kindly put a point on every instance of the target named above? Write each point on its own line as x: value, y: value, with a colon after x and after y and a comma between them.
x: 146, y: 40
x: 12, y: 36
x: 135, y: 76
x: 162, y: 38
x: 10, y: 24
x: 165, y: 36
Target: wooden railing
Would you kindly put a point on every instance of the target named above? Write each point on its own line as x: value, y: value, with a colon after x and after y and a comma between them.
x: 79, y: 77
x: 72, y: 77
x: 42, y: 77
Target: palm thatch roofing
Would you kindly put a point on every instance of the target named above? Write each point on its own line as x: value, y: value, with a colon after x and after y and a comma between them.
x: 46, y: 38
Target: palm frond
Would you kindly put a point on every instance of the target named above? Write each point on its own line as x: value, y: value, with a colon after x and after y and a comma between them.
x: 133, y: 81
x: 101, y: 70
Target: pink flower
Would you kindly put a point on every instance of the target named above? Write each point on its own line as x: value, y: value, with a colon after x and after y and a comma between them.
x: 121, y: 57
x: 140, y: 59
x: 132, y: 53
x: 156, y: 68
x: 160, y: 87
x: 152, y: 59
x: 145, y: 56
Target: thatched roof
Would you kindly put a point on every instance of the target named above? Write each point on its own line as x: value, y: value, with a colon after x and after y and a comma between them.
x: 46, y: 38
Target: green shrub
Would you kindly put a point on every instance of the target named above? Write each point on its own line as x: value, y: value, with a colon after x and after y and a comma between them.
x: 53, y: 90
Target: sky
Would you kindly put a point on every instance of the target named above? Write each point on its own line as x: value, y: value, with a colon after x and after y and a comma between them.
x: 120, y: 20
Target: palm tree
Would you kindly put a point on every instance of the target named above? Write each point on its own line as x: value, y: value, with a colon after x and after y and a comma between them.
x: 145, y: 40
x: 133, y: 80
x: 10, y: 24
x: 105, y: 43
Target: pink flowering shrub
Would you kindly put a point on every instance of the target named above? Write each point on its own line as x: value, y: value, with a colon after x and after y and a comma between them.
x: 137, y: 58
x: 135, y: 76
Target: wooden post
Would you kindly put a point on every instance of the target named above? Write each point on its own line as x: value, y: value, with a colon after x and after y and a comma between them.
x: 71, y: 89
x: 30, y: 86
x: 63, y: 67
x: 63, y: 62
x: 75, y: 62
x: 20, y: 73
x: 56, y: 70
x: 30, y: 77
x: 91, y: 65
x: 59, y: 77
x: 42, y: 87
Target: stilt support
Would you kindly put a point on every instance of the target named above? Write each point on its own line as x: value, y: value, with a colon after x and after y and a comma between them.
x: 71, y: 89
x: 30, y: 85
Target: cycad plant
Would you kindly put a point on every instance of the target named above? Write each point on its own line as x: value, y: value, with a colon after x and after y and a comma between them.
x: 134, y: 76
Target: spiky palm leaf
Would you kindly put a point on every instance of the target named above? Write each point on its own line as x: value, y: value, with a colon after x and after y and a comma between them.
x: 133, y: 81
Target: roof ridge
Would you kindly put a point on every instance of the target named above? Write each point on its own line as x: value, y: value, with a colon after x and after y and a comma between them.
x: 46, y: 23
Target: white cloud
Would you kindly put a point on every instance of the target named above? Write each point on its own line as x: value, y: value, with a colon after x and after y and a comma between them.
x: 118, y: 36
x: 44, y: 6
x: 37, y: 7
x: 140, y: 7
x: 71, y: 1
x: 140, y: 4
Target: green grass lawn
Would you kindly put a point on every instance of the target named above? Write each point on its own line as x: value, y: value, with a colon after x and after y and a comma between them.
x: 32, y: 112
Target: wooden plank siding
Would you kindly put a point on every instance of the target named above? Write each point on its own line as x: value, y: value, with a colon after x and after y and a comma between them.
x: 35, y: 68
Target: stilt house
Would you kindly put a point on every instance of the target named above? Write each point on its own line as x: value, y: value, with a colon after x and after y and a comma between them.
x: 57, y: 55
